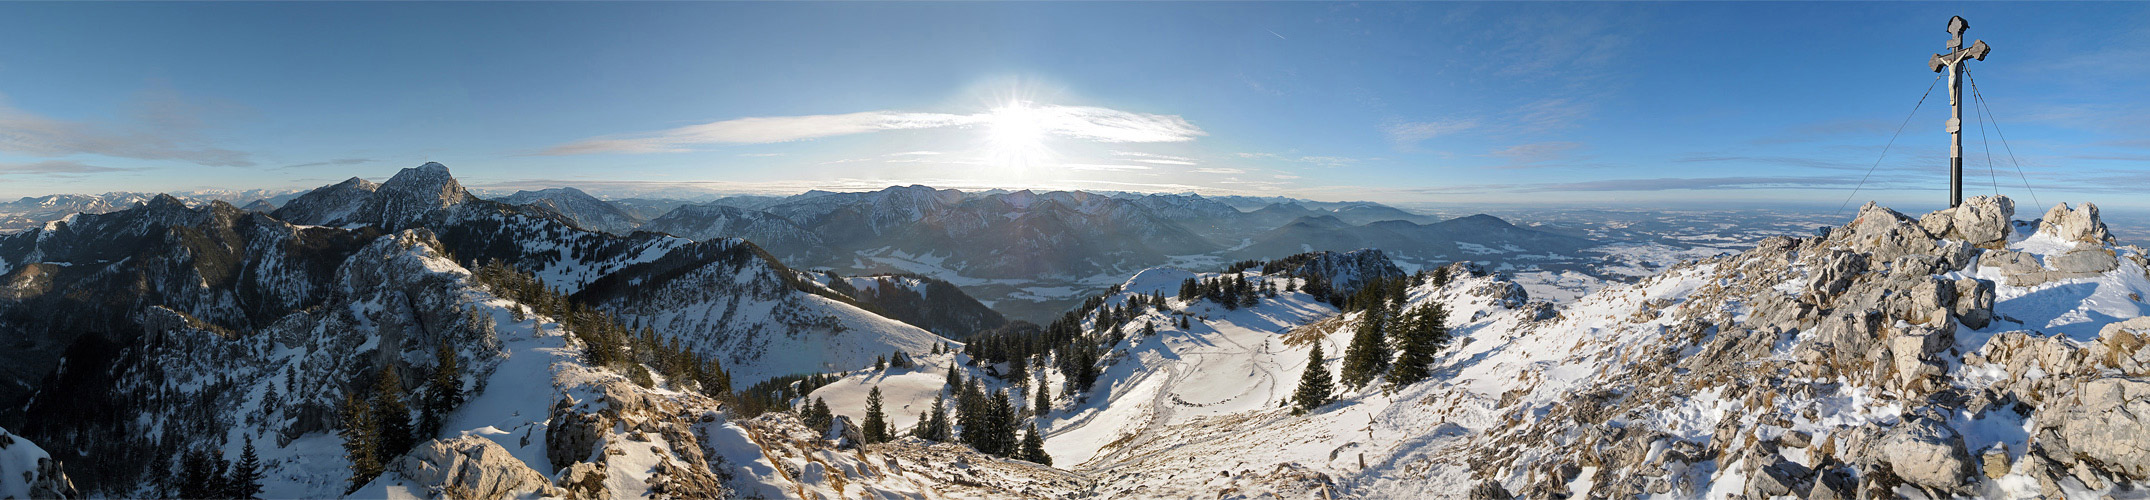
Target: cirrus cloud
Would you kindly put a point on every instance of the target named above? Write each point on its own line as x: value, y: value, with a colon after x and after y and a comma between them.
x: 162, y: 127
x: 1077, y: 122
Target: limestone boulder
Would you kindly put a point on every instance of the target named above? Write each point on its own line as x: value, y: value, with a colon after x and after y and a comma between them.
x: 469, y: 467
x: 1926, y: 452
x: 2078, y: 225
x: 2022, y: 269
x: 844, y: 434
x: 1780, y: 477
x: 1489, y: 490
x: 2120, y: 347
x: 50, y: 480
x: 1510, y: 294
x: 1981, y: 221
x: 572, y: 435
x: 1994, y: 462
x: 2106, y: 424
x: 1888, y: 234
x: 2038, y: 366
x: 1916, y: 356
x: 1974, y: 302
x: 2010, y: 262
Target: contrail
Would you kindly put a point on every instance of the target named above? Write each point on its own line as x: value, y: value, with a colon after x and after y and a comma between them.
x: 1279, y: 37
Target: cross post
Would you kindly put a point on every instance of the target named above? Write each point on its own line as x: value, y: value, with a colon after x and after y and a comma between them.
x: 1953, y: 63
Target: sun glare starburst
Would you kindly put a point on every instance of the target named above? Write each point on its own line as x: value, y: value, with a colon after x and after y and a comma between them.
x: 1015, y: 135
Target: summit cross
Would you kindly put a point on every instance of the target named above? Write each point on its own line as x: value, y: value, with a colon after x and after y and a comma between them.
x: 1953, y: 62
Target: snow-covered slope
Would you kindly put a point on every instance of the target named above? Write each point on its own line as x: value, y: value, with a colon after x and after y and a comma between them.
x: 727, y: 298
x: 710, y: 221
x: 333, y: 204
x: 587, y: 211
x: 1784, y: 370
x: 26, y: 471
x: 1954, y: 355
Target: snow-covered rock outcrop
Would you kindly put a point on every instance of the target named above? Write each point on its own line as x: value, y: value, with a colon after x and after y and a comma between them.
x: 26, y: 471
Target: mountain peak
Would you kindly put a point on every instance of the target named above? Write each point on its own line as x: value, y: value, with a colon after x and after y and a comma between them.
x: 1483, y: 220
x: 165, y: 201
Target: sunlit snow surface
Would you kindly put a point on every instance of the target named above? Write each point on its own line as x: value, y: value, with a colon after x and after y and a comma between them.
x: 1191, y: 412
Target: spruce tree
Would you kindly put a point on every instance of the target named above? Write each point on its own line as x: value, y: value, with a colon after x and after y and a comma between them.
x: 954, y: 378
x: 245, y: 479
x: 1419, y: 337
x: 876, y: 426
x: 393, y: 416
x: 1368, y: 354
x: 1044, y: 403
x: 1314, y: 384
x: 933, y: 426
x: 1002, y: 421
x: 361, y: 442
x: 1034, y: 448
x: 971, y: 413
x: 444, y: 392
x: 270, y: 401
x: 193, y: 475
x: 818, y: 416
x: 219, y: 476
x: 943, y: 428
x: 715, y: 382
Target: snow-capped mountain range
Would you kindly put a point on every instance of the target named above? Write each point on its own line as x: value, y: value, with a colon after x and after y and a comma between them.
x: 1960, y: 354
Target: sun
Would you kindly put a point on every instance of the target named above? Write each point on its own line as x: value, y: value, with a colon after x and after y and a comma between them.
x: 1015, y: 135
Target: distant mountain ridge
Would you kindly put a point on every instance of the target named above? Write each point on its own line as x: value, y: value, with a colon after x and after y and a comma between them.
x: 585, y: 210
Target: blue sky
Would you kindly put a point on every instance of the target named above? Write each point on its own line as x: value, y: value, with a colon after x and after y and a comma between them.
x: 1630, y: 103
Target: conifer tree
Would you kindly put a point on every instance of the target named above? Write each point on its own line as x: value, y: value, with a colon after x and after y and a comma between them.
x: 1314, y: 384
x: 1419, y: 337
x: 1368, y: 354
x: 444, y: 392
x: 818, y: 416
x: 393, y: 416
x: 270, y: 401
x: 1044, y: 402
x: 876, y: 426
x: 933, y: 426
x: 1001, y: 418
x: 715, y: 382
x: 193, y: 475
x: 1034, y: 448
x: 955, y: 379
x: 971, y: 414
x: 361, y: 441
x: 245, y: 479
x: 219, y: 480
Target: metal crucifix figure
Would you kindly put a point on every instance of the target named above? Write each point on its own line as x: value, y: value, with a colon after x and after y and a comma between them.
x: 1953, y: 62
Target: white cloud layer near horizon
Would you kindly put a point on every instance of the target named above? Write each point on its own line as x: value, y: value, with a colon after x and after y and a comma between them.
x: 1077, y: 122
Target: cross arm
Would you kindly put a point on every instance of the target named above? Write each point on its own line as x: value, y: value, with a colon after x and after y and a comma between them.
x: 1977, y: 51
